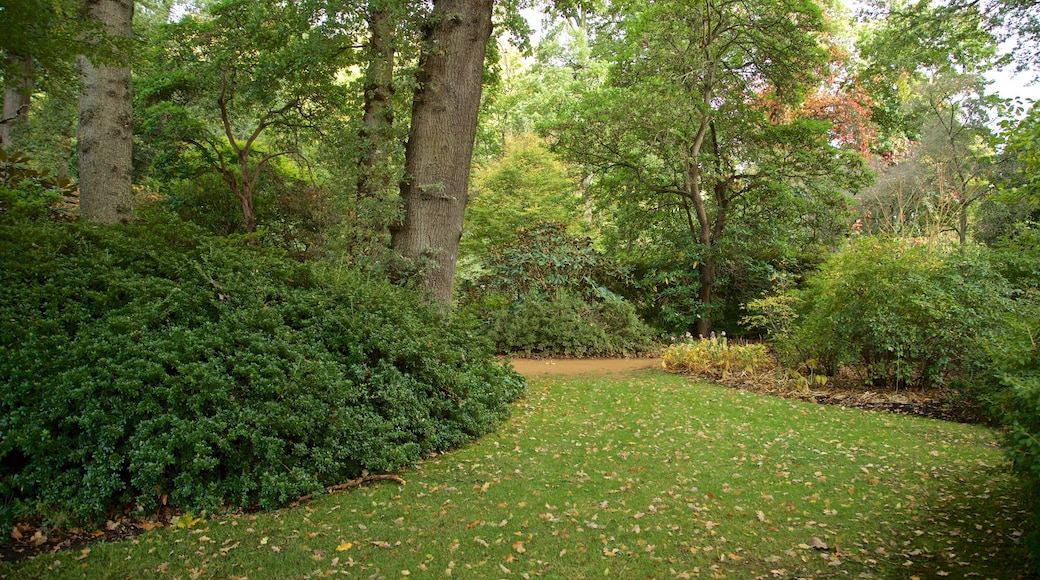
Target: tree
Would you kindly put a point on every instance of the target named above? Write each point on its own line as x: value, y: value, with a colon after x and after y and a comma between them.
x: 924, y: 66
x: 40, y: 37
x: 526, y: 186
x: 375, y: 176
x: 693, y: 123
x: 230, y: 78
x: 106, y: 121
x: 956, y: 140
x: 445, y: 109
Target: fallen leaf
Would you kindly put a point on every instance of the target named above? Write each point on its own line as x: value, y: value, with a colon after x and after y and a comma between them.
x: 344, y: 546
x: 381, y: 544
x: 818, y: 544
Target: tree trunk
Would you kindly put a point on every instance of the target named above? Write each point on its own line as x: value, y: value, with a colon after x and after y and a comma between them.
x: 375, y: 176
x: 440, y: 141
x: 706, y: 273
x: 962, y: 222
x: 105, y: 123
x: 17, y: 96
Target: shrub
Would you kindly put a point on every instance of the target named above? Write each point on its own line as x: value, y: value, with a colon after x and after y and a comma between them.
x: 909, y: 315
x: 715, y: 357
x: 547, y: 294
x: 151, y: 363
x: 569, y: 326
x: 1012, y: 387
x: 545, y: 261
x: 26, y: 192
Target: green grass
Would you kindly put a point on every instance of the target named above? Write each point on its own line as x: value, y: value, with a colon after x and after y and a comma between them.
x: 649, y: 476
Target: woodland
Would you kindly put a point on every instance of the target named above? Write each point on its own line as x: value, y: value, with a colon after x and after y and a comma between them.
x: 250, y: 249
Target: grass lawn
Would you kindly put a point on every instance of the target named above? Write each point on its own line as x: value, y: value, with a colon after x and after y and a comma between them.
x: 646, y: 476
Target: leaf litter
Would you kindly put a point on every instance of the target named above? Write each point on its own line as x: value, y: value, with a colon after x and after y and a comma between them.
x: 649, y: 476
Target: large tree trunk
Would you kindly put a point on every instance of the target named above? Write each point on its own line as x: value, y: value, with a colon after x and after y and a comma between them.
x: 440, y: 142
x: 105, y: 123
x: 17, y: 96
x: 375, y: 176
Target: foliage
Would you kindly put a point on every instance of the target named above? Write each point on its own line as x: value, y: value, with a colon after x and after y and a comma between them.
x: 526, y: 186
x: 1009, y: 384
x: 299, y: 218
x: 548, y: 292
x: 544, y: 260
x: 1017, y: 257
x: 567, y: 325
x: 714, y: 357
x: 696, y: 135
x: 151, y: 364
x: 25, y: 191
x: 232, y: 90
x: 51, y: 31
x: 907, y: 314
x: 904, y: 42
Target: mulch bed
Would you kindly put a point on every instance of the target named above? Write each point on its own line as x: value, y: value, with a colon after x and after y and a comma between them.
x: 848, y: 390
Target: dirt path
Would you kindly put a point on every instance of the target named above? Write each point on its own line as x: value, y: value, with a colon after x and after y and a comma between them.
x: 596, y: 367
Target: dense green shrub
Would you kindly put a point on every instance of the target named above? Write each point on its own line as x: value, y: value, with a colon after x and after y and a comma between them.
x: 152, y: 362
x: 545, y: 261
x: 1010, y: 384
x: 1017, y: 257
x: 547, y: 293
x: 27, y: 192
x: 569, y: 326
x: 907, y: 314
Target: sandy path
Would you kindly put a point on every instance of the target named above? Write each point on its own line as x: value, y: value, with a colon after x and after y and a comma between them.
x: 583, y: 366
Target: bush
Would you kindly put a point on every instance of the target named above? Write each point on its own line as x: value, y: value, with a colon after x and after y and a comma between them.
x: 544, y: 262
x: 1012, y: 387
x: 151, y: 363
x: 26, y: 192
x: 569, y: 326
x: 909, y: 315
x: 547, y: 294
x: 715, y: 357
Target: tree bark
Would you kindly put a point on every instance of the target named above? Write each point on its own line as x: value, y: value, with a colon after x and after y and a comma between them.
x: 440, y: 142
x: 375, y: 177
x: 17, y: 97
x: 106, y: 123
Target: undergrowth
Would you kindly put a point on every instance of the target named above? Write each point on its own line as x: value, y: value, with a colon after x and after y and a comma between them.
x: 153, y: 365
